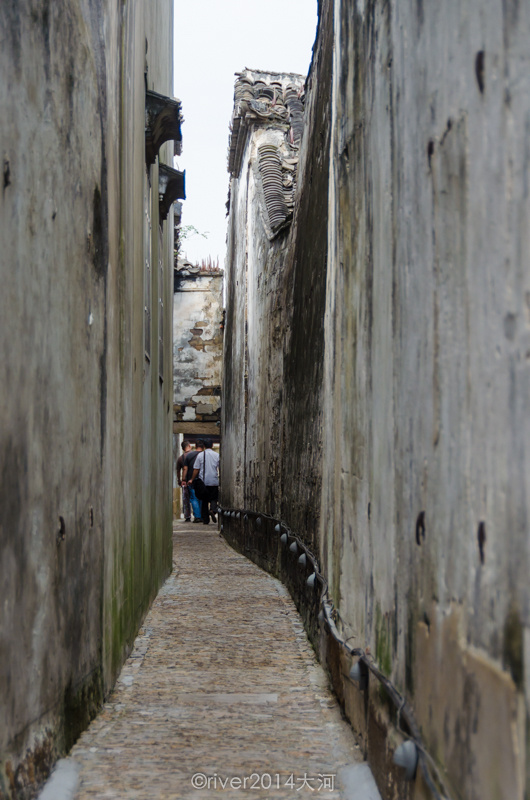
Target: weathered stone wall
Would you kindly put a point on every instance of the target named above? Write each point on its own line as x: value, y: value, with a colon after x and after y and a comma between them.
x: 85, y: 456
x: 422, y: 389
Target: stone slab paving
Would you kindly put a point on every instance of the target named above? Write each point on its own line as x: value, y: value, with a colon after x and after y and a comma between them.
x: 221, y: 684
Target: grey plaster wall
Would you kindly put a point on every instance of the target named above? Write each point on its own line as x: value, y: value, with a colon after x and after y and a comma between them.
x: 416, y: 406
x: 85, y: 420
x: 305, y: 293
x: 427, y: 371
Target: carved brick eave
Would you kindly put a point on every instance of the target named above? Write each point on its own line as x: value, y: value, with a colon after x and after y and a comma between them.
x: 163, y: 119
x: 171, y: 187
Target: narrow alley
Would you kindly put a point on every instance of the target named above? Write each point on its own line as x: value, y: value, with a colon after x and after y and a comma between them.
x: 312, y: 259
x: 221, y: 684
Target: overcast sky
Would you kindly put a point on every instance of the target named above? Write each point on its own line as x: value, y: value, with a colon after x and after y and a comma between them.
x: 213, y: 40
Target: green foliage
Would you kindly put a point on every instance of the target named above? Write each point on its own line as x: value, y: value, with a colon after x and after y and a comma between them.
x: 186, y: 232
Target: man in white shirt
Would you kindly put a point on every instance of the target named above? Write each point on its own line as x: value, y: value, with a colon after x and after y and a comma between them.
x: 206, y: 467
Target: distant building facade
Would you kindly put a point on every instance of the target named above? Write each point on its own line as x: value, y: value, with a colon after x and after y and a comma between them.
x: 198, y: 323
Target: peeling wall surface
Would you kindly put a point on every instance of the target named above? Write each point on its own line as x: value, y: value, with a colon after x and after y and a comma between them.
x: 197, y: 347
x: 385, y: 382
x: 85, y: 419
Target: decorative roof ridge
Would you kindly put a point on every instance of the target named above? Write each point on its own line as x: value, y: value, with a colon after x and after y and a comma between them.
x: 272, y: 99
x: 271, y: 73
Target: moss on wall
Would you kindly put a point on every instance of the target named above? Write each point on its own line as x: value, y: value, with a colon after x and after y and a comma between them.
x: 513, y: 647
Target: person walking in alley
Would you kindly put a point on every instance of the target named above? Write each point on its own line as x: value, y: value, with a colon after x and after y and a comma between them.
x: 206, y: 467
x: 187, y: 475
x: 186, y: 508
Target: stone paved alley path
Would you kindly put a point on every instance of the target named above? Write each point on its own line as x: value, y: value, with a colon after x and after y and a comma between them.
x: 223, y: 682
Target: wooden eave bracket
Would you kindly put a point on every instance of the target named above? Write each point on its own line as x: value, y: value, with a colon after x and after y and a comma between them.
x: 171, y: 187
x: 163, y: 119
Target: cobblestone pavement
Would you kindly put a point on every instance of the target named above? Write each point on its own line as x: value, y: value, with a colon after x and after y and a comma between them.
x: 222, y: 682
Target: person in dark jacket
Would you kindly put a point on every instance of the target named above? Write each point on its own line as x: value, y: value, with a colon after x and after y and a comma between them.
x: 186, y: 508
x: 187, y: 474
